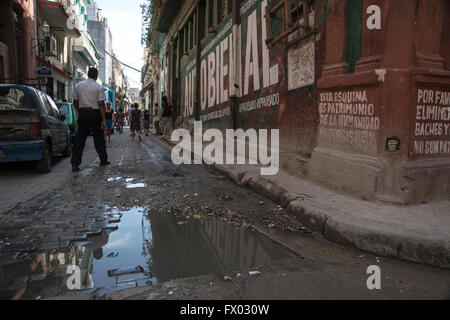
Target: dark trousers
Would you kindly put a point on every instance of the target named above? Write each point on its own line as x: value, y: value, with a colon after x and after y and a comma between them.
x: 89, y: 120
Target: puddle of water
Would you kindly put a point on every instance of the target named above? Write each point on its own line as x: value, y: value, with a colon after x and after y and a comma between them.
x: 151, y: 247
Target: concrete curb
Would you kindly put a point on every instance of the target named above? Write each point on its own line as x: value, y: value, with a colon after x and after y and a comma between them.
x: 340, y: 227
x: 356, y: 232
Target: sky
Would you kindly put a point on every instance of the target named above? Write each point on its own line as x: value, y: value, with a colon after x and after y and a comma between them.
x: 124, y: 19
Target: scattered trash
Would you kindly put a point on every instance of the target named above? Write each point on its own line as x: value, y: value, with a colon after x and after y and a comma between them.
x: 254, y: 273
x: 38, y: 298
x: 272, y: 225
x: 170, y: 293
x: 218, y: 177
x: 261, y: 203
x: 180, y: 223
x: 226, y: 198
x: 197, y: 216
x: 136, y: 185
x: 126, y: 270
x: 227, y: 278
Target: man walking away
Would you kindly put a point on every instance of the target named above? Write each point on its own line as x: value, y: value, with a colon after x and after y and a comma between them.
x: 146, y: 122
x: 135, y: 122
x: 109, y: 120
x: 89, y: 100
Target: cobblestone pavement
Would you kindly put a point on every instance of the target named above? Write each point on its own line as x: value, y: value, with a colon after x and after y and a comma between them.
x: 49, y: 222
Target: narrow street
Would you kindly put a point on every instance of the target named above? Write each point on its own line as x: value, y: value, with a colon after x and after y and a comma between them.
x: 143, y: 228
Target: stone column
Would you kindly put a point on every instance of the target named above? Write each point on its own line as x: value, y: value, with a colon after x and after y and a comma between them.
x: 335, y: 54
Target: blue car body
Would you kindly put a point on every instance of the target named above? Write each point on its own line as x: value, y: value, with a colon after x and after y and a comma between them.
x: 21, y: 151
x: 31, y: 126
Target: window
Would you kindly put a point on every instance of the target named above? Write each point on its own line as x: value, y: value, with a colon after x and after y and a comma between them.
x: 13, y: 99
x: 354, y: 15
x: 64, y: 109
x: 285, y: 17
x: 47, y: 107
x: 212, y: 20
x: 61, y: 91
x: 55, y: 110
x: 188, y: 34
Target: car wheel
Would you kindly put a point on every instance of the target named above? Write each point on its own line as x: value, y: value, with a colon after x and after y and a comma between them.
x: 45, y: 164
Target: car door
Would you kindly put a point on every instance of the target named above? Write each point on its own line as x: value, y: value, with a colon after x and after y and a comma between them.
x: 51, y: 122
x: 61, y: 126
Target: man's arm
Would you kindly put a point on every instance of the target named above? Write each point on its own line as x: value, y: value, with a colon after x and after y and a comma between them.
x: 101, y: 105
x: 76, y: 103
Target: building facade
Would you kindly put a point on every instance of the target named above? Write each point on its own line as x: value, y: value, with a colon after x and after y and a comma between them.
x: 18, y: 45
x: 99, y: 30
x: 55, y: 40
x: 85, y: 53
x: 358, y: 89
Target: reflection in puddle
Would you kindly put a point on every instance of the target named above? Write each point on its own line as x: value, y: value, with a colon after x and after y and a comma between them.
x: 146, y: 248
x: 114, y: 179
x: 136, y: 185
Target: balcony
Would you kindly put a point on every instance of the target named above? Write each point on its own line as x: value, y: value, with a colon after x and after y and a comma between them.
x: 168, y: 10
x: 84, y: 46
x: 55, y: 13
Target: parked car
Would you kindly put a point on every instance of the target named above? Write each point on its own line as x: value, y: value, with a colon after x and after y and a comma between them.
x: 31, y: 127
x: 68, y: 110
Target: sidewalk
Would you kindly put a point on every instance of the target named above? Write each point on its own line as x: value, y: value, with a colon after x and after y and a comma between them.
x: 419, y: 233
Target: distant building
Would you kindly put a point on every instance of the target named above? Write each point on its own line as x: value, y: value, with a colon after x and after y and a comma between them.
x: 18, y: 42
x: 55, y: 56
x: 133, y: 95
x: 85, y: 53
x: 100, y: 32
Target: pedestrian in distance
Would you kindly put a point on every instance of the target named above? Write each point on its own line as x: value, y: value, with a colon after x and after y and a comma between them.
x: 166, y: 120
x: 146, y: 122
x: 109, y: 120
x: 135, y: 122
x: 120, y: 118
x: 157, y: 119
x: 89, y: 100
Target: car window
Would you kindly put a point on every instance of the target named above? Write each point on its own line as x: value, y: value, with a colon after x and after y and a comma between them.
x: 55, y: 109
x: 13, y: 99
x: 47, y: 106
x: 64, y: 109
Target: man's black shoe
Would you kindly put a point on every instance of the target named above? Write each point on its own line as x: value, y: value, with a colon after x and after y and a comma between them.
x: 75, y: 168
x: 105, y: 163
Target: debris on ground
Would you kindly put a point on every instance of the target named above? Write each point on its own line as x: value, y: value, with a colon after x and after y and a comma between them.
x: 126, y: 270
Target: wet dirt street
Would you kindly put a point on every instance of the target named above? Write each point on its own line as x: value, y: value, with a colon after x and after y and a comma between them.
x: 143, y: 228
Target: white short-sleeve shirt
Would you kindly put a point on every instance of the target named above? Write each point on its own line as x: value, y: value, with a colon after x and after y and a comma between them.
x: 89, y: 93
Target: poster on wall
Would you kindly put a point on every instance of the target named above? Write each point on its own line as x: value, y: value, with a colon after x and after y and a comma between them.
x: 301, y: 64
